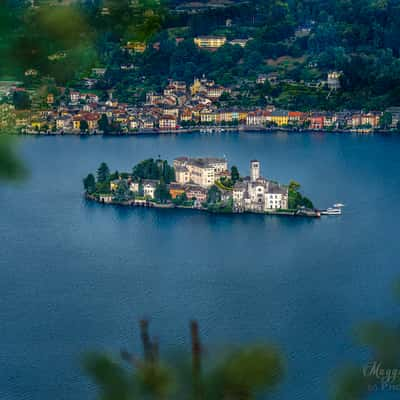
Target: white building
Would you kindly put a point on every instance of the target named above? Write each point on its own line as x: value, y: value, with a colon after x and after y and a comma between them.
x: 200, y: 171
x: 134, y: 187
x: 258, y: 194
x: 149, y: 188
x: 333, y: 81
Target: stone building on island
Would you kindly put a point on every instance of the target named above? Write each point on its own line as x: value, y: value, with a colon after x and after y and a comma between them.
x: 200, y: 171
x: 257, y: 194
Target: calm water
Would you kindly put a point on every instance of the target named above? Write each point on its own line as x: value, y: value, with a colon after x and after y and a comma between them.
x: 76, y: 276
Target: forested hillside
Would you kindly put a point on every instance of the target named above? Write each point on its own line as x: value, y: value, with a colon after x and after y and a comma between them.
x: 299, y: 40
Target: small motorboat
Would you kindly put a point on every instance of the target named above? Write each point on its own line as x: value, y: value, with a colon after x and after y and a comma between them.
x: 332, y: 211
x: 338, y: 205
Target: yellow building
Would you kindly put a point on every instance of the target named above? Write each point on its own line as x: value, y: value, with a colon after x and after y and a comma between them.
x: 114, y: 185
x: 225, y: 116
x: 243, y: 115
x: 209, y: 42
x: 136, y: 47
x: 280, y: 118
x: 76, y: 123
x: 38, y: 124
x: 195, y: 88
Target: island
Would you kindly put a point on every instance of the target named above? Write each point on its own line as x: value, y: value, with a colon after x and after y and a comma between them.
x: 205, y: 184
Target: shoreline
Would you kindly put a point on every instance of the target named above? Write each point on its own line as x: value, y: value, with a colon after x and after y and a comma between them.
x: 212, y: 130
x: 171, y: 206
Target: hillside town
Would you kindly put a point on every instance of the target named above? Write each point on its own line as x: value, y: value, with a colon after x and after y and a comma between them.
x: 180, y: 107
x: 198, y: 183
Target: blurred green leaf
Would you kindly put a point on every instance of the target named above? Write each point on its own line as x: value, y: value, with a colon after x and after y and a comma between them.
x: 11, y: 167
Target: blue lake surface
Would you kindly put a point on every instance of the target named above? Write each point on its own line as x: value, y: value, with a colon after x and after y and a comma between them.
x: 76, y: 276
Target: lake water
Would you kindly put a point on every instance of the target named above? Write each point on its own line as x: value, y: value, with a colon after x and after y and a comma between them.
x: 76, y: 276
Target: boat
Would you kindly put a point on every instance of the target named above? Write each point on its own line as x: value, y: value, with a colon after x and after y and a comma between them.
x: 332, y: 211
x: 338, y: 205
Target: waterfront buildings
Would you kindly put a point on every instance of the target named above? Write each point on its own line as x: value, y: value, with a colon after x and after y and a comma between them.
x: 177, y: 106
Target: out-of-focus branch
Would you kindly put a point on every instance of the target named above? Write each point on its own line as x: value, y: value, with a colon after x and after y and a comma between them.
x: 11, y: 168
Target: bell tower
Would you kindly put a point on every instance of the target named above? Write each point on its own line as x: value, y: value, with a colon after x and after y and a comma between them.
x: 254, y: 170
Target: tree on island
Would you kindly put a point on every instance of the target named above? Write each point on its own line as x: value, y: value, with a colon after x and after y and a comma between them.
x: 89, y: 183
x: 162, y: 193
x: 146, y: 169
x: 294, y: 186
x: 114, y: 175
x: 235, y: 176
x: 122, y: 192
x: 167, y: 172
x: 180, y: 199
x: 296, y: 199
x: 103, y: 173
x: 213, y: 195
x: 154, y: 169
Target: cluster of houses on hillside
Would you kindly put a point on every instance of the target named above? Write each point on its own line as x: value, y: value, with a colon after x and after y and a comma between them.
x: 178, y: 106
x: 195, y: 177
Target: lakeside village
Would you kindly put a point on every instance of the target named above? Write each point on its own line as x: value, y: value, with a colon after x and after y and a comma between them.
x: 198, y: 183
x: 179, y: 108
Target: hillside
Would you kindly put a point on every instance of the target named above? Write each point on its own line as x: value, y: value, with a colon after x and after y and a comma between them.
x: 295, y: 44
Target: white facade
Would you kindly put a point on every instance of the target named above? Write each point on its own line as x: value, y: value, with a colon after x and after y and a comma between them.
x: 257, y: 194
x: 134, y: 187
x: 149, y: 188
x: 182, y: 175
x: 201, y: 171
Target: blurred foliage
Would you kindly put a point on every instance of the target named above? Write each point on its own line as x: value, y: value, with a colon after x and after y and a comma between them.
x: 10, y: 166
x: 240, y: 374
x: 382, y: 372
x: 65, y: 41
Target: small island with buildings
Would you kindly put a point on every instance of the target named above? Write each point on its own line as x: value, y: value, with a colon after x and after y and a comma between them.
x: 205, y: 184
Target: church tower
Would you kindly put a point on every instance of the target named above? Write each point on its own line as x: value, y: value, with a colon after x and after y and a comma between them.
x: 254, y: 170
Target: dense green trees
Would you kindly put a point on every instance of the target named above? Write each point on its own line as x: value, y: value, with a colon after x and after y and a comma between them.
x: 234, y: 174
x: 213, y: 195
x: 103, y: 173
x: 296, y: 199
x: 385, y: 121
x: 83, y: 126
x: 21, y: 100
x: 122, y: 193
x: 103, y: 123
x: 161, y: 193
x: 154, y: 169
x: 89, y: 183
x: 360, y: 38
x: 180, y: 199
